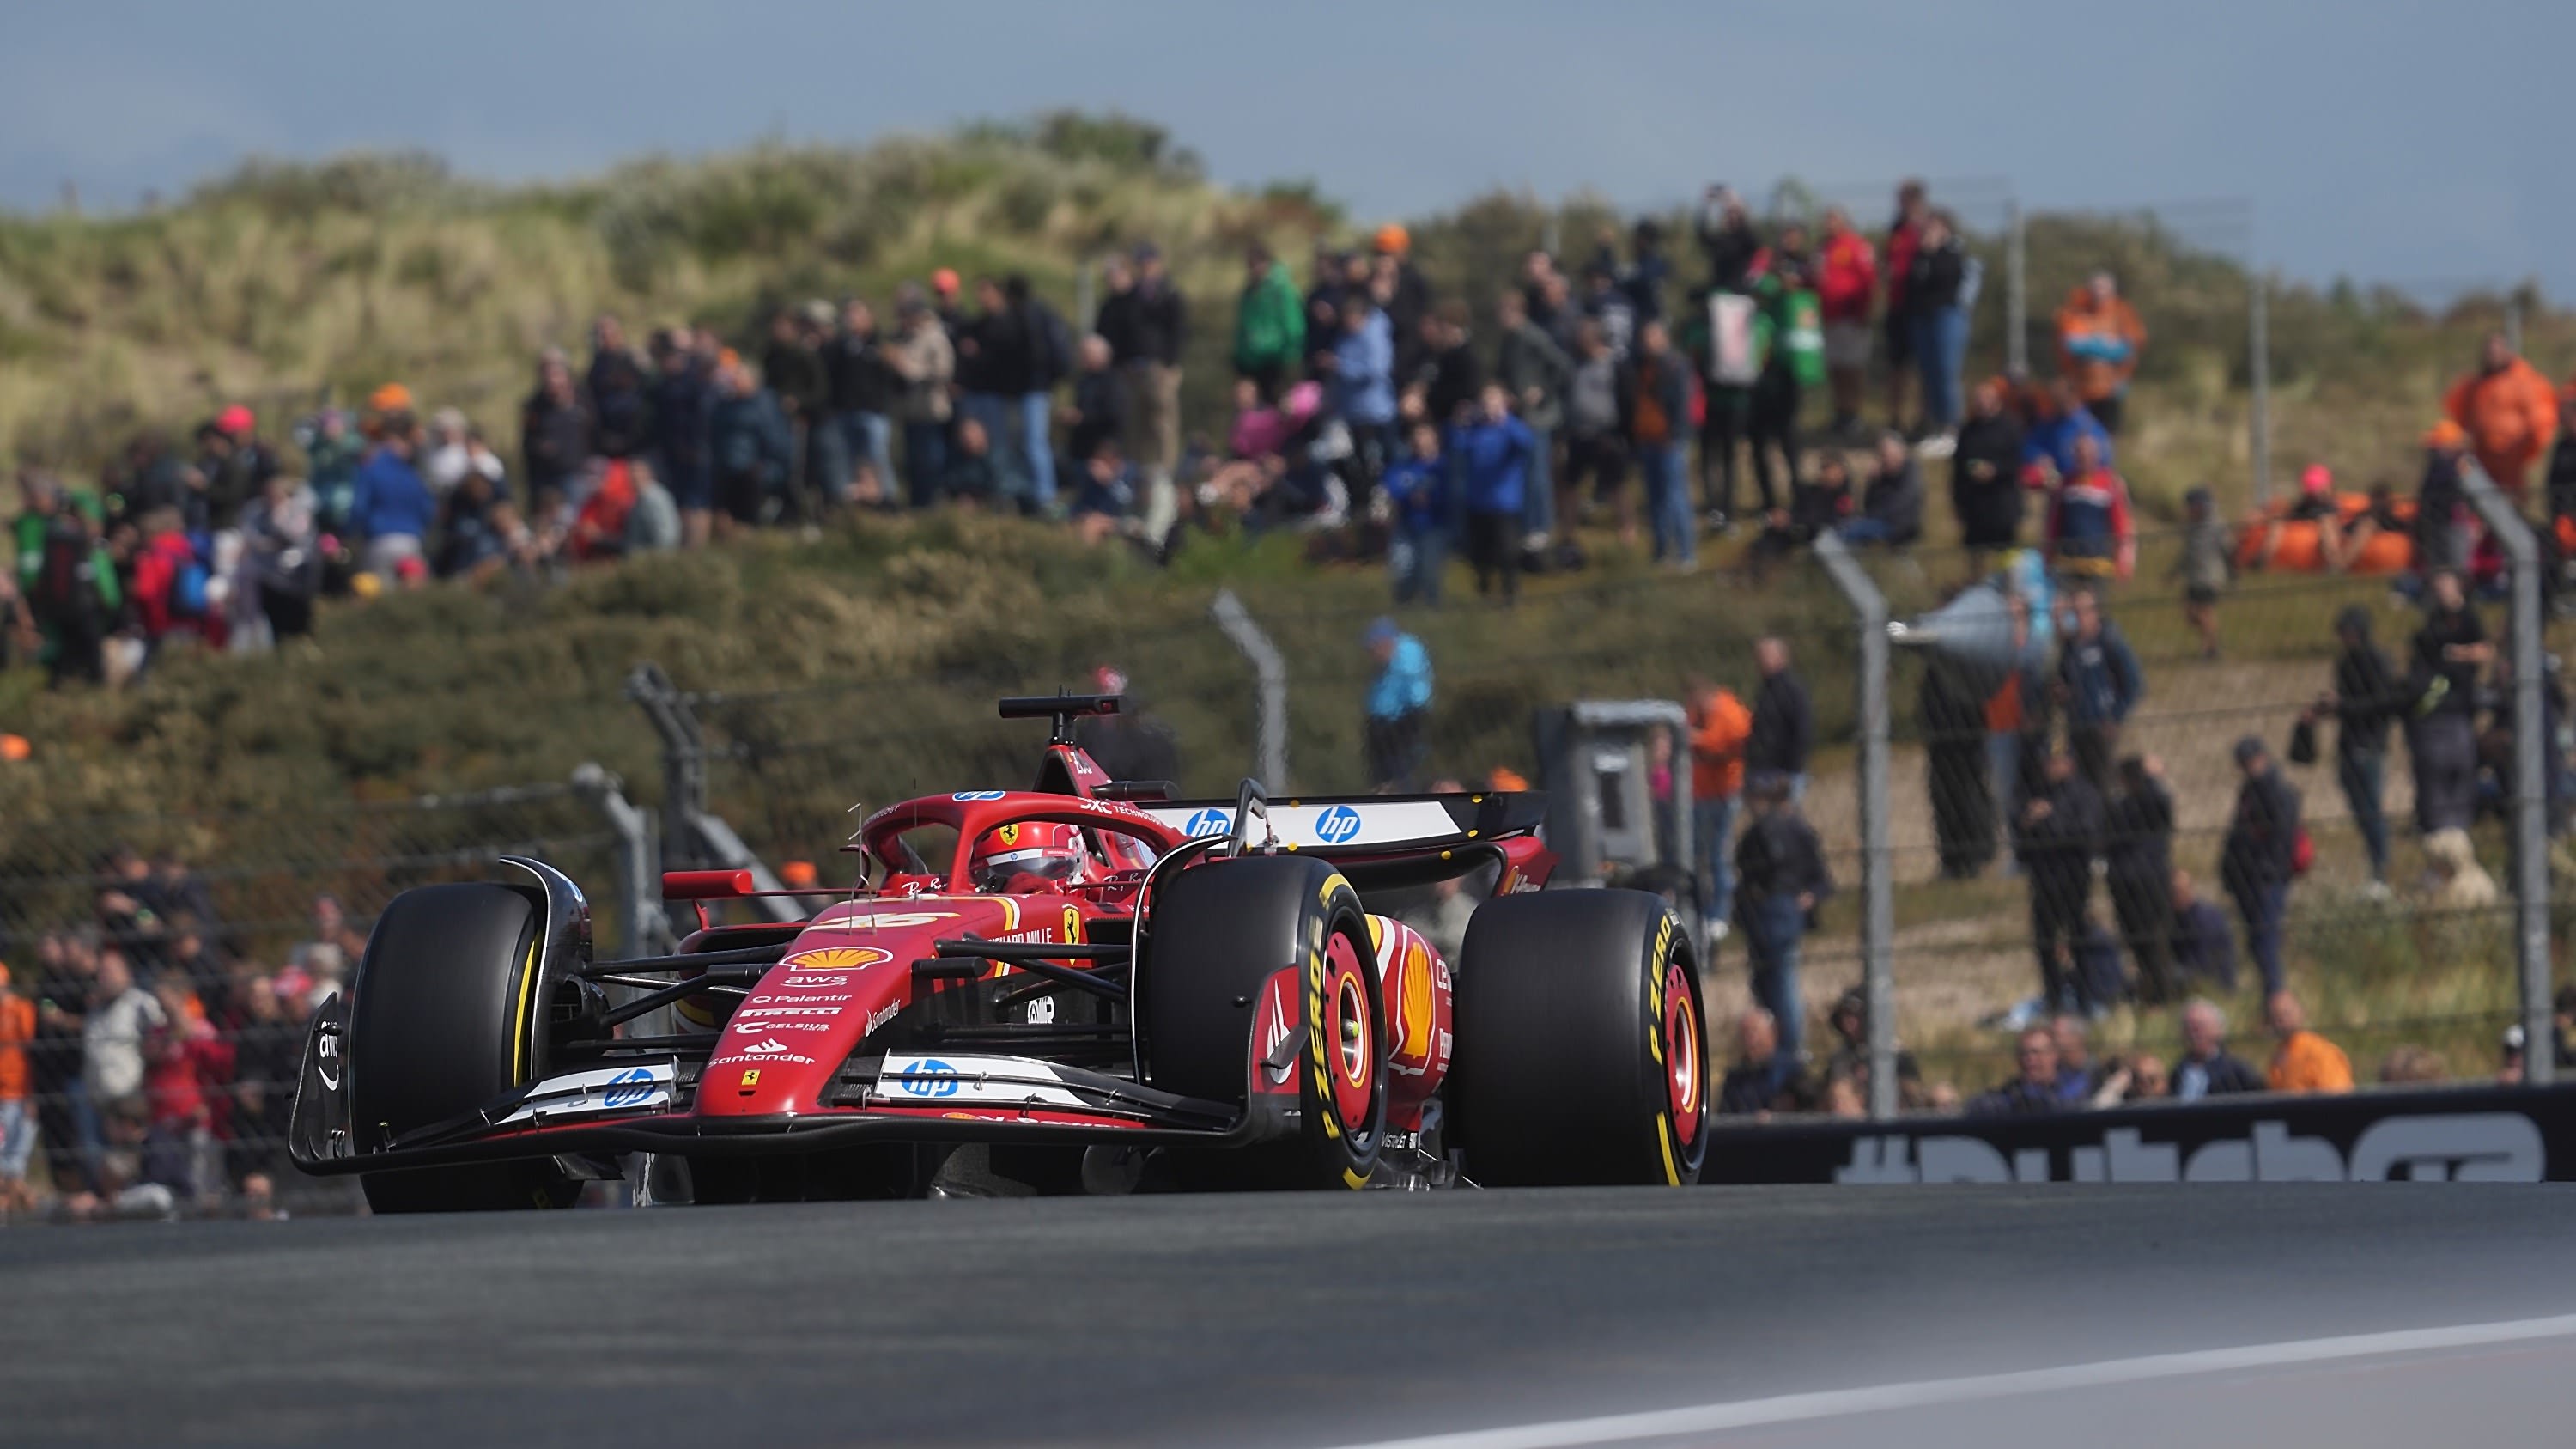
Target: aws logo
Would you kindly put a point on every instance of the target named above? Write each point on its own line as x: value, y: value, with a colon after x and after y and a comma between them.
x: 838, y: 958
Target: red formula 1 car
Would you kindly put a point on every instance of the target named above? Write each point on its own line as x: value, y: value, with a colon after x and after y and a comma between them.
x: 1084, y: 986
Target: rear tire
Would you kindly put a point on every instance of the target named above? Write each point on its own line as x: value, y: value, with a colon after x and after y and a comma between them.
x: 1219, y: 932
x: 1581, y: 1054
x: 444, y: 1015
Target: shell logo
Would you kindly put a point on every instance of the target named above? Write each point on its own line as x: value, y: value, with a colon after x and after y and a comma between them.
x: 1413, y: 1023
x: 838, y: 958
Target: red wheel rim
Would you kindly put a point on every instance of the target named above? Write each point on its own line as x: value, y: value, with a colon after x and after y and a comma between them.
x: 1681, y: 1053
x: 1351, y: 1036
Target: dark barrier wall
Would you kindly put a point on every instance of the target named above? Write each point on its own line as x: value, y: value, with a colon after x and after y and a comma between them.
x: 2457, y: 1134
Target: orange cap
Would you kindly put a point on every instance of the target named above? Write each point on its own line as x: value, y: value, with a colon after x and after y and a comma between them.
x: 393, y: 397
x: 15, y: 747
x: 944, y: 281
x: 2316, y: 478
x: 2445, y: 434
x: 1505, y: 779
x: 1394, y: 239
x: 796, y: 874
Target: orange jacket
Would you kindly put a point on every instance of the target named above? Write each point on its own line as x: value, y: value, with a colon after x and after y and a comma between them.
x: 2308, y: 1062
x: 2510, y: 417
x: 1718, y: 733
x: 2098, y: 345
x: 17, y: 1028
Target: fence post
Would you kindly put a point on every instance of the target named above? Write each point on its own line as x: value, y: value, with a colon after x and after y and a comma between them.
x: 639, y: 893
x: 2259, y: 362
x: 2513, y: 323
x: 2016, y: 295
x: 1877, y: 857
x: 1271, y: 672
x: 2530, y: 823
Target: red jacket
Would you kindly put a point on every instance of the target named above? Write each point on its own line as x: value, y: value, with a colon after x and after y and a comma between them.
x: 1847, y: 280
x: 157, y: 567
x: 1902, y: 239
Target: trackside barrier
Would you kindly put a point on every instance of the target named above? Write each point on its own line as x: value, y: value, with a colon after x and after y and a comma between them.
x: 2529, y: 823
x: 1877, y: 858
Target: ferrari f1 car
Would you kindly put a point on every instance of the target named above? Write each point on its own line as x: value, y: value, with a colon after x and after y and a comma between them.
x: 1081, y: 986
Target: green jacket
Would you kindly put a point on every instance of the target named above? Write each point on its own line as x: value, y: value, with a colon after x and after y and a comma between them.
x: 1790, y: 329
x: 1270, y: 323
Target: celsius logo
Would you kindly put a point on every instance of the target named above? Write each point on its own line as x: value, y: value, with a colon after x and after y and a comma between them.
x: 1337, y: 825
x: 1210, y: 821
x: 630, y: 1088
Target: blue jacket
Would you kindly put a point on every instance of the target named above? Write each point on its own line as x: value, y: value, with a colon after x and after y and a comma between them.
x: 2054, y: 439
x: 2103, y: 681
x: 1418, y: 490
x: 391, y: 501
x: 1493, y: 463
x: 748, y: 438
x: 1403, y: 687
x: 1364, y: 372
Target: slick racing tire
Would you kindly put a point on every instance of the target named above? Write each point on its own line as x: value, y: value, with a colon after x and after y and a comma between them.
x: 445, y: 1014
x: 1218, y: 933
x: 1581, y: 1056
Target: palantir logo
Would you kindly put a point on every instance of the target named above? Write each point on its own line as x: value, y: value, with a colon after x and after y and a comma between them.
x: 1210, y: 821
x: 1337, y: 825
x: 629, y: 1088
x: 929, y: 1077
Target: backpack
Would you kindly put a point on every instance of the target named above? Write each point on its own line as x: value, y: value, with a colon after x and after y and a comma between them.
x: 66, y: 586
x: 188, y: 591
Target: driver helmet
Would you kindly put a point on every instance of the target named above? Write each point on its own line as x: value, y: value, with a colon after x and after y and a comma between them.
x: 1053, y: 853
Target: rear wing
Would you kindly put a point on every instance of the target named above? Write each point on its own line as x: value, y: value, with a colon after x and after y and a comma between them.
x: 1361, y: 825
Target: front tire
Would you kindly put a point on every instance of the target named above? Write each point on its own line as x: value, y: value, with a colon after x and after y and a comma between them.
x: 1219, y: 932
x: 445, y: 1014
x: 1581, y: 1054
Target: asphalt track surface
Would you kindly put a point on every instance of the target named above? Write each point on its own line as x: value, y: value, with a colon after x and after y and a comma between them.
x: 1322, y: 1321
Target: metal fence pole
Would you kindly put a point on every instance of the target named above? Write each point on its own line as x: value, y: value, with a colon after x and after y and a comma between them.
x: 1271, y: 673
x: 2016, y: 294
x: 2513, y: 324
x: 2530, y: 823
x: 684, y: 765
x: 639, y: 894
x: 2259, y: 362
x: 1877, y: 856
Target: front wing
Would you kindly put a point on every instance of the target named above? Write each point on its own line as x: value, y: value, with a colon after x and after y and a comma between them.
x: 642, y: 1105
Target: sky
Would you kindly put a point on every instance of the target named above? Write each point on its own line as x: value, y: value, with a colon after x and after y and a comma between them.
x: 2386, y: 140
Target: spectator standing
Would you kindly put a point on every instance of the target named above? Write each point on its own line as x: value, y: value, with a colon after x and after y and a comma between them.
x: 1398, y: 706
x: 2036, y: 1090
x: 750, y: 447
x: 1846, y: 285
x: 992, y: 371
x: 2364, y: 700
x: 1788, y: 337
x: 1904, y: 240
x: 920, y: 355
x: 1727, y: 238
x: 1940, y: 288
x: 1096, y: 416
x: 1153, y: 373
x: 1493, y: 459
x: 683, y: 405
x: 17, y: 1111
x: 1596, y: 447
x: 284, y: 554
x: 2207, y: 1068
x: 2442, y: 502
x: 1648, y: 269
x: 1361, y: 367
x: 332, y: 453
x: 2091, y: 530
x: 1050, y: 360
x: 393, y: 508
x: 1892, y: 507
x: 1654, y: 406
x: 1720, y: 727
x: 2509, y: 411
x: 1449, y: 375
x: 1783, y: 732
x: 1418, y: 493
x: 2098, y: 341
x: 2137, y: 852
x: 865, y: 391
x: 1269, y: 323
x: 1780, y: 877
x: 2442, y: 685
x: 1408, y: 298
x: 1957, y: 773
x: 1753, y: 1085
x: 67, y: 577
x: 618, y: 410
x: 2060, y: 835
x: 2259, y: 857
x: 2204, y: 567
x: 1985, y: 482
x: 2304, y: 1061
x: 1533, y: 370
x: 121, y: 1014
x: 1605, y: 304
x: 554, y: 430
x: 1717, y: 336
x: 2098, y: 683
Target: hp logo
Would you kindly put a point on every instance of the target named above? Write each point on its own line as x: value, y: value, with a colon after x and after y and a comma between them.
x: 1210, y: 821
x: 1337, y: 825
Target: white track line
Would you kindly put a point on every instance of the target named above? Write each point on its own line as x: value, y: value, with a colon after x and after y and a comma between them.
x: 1882, y: 1398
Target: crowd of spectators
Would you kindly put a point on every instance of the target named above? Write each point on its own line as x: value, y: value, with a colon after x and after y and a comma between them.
x: 145, y: 1069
